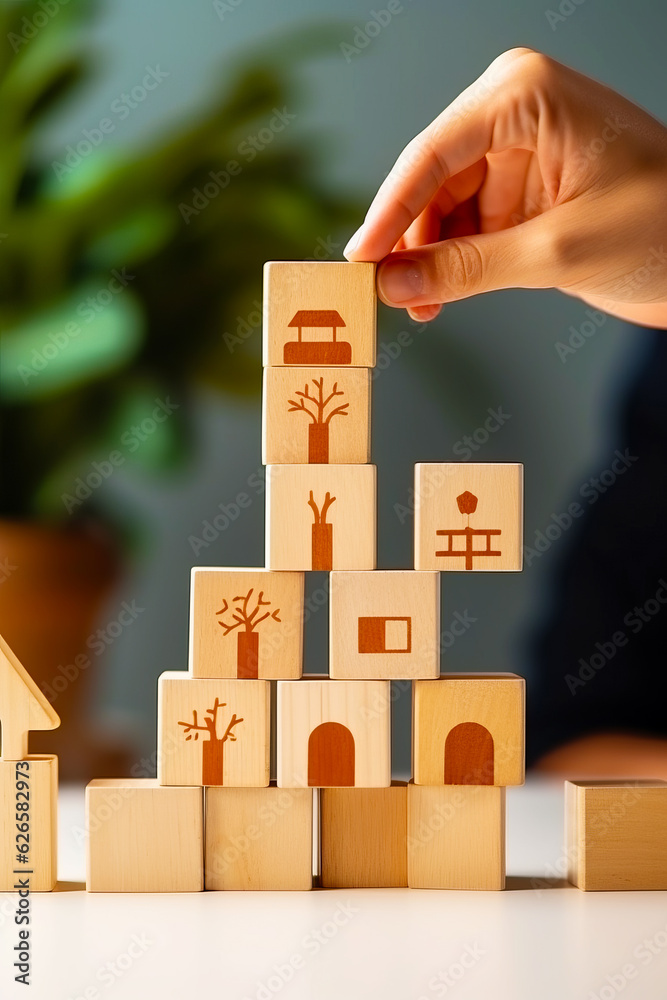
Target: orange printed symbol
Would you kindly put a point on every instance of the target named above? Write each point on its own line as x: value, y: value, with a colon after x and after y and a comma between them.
x: 244, y: 615
x: 213, y: 747
x: 467, y: 504
x: 331, y: 754
x: 318, y: 430
x: 385, y: 635
x: 317, y: 352
x: 322, y: 537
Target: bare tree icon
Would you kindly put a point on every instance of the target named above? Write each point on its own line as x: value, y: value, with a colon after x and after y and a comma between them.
x: 244, y: 616
x: 322, y: 538
x: 315, y: 406
x: 213, y: 747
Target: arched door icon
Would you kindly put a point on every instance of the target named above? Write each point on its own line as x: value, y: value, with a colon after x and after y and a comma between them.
x: 469, y: 755
x: 331, y: 756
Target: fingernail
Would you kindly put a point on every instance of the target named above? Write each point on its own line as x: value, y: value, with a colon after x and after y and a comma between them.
x: 353, y: 242
x: 400, y: 280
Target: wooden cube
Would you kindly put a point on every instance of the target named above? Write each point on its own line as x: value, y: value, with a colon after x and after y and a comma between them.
x: 316, y: 416
x: 246, y: 623
x: 616, y: 834
x: 364, y: 837
x: 456, y: 837
x: 319, y: 314
x: 320, y: 517
x: 213, y: 732
x: 384, y: 625
x: 334, y: 733
x: 28, y: 796
x: 142, y: 837
x: 469, y: 729
x: 259, y: 838
x: 468, y: 516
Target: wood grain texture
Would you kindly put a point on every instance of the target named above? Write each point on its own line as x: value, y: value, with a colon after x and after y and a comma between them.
x: 142, y: 837
x: 481, y: 503
x: 230, y: 608
x: 218, y: 755
x: 616, y: 834
x: 368, y: 631
x: 364, y: 837
x: 259, y: 838
x: 456, y: 837
x: 338, y: 433
x: 41, y: 775
x: 302, y: 501
x: 23, y: 707
x: 494, y: 701
x: 362, y: 707
x: 291, y: 287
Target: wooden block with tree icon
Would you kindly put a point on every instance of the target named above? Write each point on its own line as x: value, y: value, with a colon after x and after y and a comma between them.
x: 469, y: 516
x: 334, y: 733
x: 259, y: 838
x: 616, y: 834
x: 143, y: 837
x: 246, y: 623
x: 469, y: 729
x: 384, y: 625
x: 456, y: 837
x: 213, y: 731
x: 363, y: 836
x: 28, y: 822
x: 316, y: 416
x: 319, y: 313
x: 320, y: 517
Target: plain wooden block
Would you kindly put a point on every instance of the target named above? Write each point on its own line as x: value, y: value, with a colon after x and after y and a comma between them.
x: 616, y: 834
x: 32, y: 782
x: 456, y: 837
x: 384, y: 625
x: 246, y: 623
x: 469, y: 729
x: 334, y: 733
x: 23, y: 707
x: 320, y: 517
x: 142, y: 837
x: 364, y: 837
x: 213, y: 731
x: 319, y: 313
x: 259, y: 838
x: 468, y: 516
x: 316, y: 416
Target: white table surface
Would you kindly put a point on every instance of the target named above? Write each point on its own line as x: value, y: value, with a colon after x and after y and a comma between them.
x: 540, y: 939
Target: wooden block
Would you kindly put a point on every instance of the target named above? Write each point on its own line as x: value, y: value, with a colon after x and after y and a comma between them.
x: 468, y: 516
x: 469, y: 729
x: 320, y: 517
x: 31, y: 783
x: 616, y: 834
x: 246, y: 623
x: 259, y: 838
x: 364, y: 837
x: 384, y: 625
x: 334, y: 733
x: 213, y: 732
x: 456, y: 837
x: 319, y: 314
x: 23, y: 707
x: 316, y: 416
x: 142, y: 837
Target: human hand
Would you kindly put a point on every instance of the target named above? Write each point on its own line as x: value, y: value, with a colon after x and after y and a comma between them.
x: 534, y: 177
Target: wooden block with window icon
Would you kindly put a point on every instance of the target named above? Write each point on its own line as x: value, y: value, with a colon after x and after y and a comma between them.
x: 319, y: 313
x: 469, y: 516
x: 320, y: 517
x: 385, y: 625
x: 316, y: 416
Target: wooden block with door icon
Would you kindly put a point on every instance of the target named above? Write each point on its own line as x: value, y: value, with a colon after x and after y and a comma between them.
x: 319, y: 313
x: 320, y: 517
x: 616, y: 834
x: 246, y: 623
x: 363, y: 836
x: 316, y: 416
x: 213, y: 731
x: 385, y: 625
x: 469, y: 729
x: 259, y: 838
x: 143, y: 837
x: 456, y: 837
x: 334, y: 733
x: 28, y: 822
x: 469, y: 516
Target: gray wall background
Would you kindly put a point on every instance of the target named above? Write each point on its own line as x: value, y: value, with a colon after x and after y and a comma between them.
x: 494, y: 351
